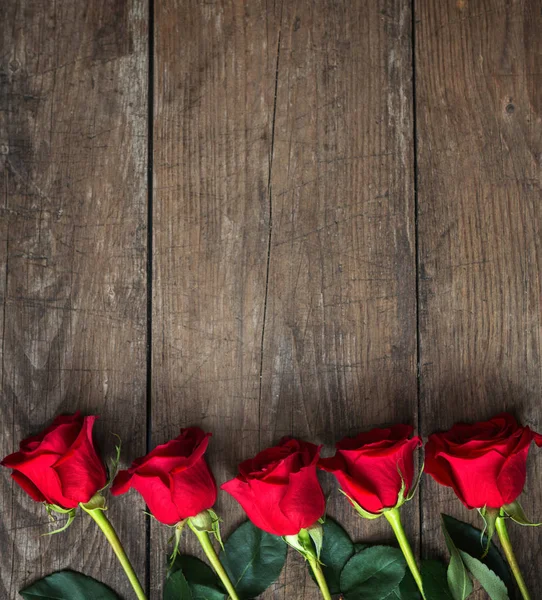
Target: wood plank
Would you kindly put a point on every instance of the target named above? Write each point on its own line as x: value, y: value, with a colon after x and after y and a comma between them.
x: 73, y: 256
x: 215, y: 68
x: 480, y: 225
x: 340, y: 333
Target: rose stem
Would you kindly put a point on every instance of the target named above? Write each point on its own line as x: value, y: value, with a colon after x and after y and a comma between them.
x: 394, y: 519
x: 111, y: 535
x: 500, y: 525
x: 319, y: 575
x: 207, y: 546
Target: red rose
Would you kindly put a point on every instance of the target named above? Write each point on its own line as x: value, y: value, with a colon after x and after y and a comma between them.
x: 173, y: 479
x: 59, y: 465
x: 279, y: 488
x: 372, y: 466
x: 485, y: 463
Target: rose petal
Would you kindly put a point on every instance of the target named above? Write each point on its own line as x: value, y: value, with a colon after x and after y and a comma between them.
x: 157, y: 497
x: 193, y: 489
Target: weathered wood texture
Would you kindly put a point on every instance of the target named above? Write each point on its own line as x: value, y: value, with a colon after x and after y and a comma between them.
x: 284, y: 237
x: 215, y: 80
x: 479, y: 103
x: 339, y: 346
x: 73, y: 247
x: 298, y: 209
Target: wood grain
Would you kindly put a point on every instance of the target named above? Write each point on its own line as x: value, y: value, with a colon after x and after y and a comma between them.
x: 215, y: 78
x: 480, y: 223
x: 73, y: 248
x: 300, y: 211
x: 339, y: 352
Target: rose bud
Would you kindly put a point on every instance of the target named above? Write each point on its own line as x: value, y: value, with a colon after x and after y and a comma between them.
x: 279, y: 488
x: 375, y: 469
x: 60, y: 465
x: 173, y: 479
x: 484, y: 463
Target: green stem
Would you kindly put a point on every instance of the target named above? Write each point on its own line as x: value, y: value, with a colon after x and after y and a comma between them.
x: 500, y: 525
x: 319, y: 576
x: 207, y: 546
x: 111, y: 535
x: 394, y: 519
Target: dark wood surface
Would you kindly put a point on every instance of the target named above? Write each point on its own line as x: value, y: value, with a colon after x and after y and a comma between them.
x: 479, y: 101
x: 306, y: 252
x: 73, y: 254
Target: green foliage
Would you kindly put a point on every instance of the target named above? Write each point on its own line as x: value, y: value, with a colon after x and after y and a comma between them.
x: 469, y: 540
x: 177, y: 587
x: 491, y: 583
x: 435, y: 580
x: 458, y: 578
x: 201, y: 579
x: 374, y: 574
x: 337, y: 549
x: 68, y: 585
x: 253, y: 559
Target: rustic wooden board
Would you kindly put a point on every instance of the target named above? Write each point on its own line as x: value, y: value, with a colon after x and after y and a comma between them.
x: 301, y: 213
x: 480, y: 222
x: 215, y: 80
x: 73, y: 246
x: 339, y: 352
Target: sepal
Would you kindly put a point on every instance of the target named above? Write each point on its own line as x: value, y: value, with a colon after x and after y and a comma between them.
x: 361, y: 511
x: 97, y: 502
x: 308, y: 543
x: 207, y: 521
x: 416, y: 484
x: 177, y: 537
x: 51, y: 508
x: 490, y: 516
x: 515, y: 511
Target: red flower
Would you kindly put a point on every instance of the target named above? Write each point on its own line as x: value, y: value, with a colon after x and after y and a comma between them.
x: 279, y: 488
x: 372, y: 466
x: 485, y: 463
x: 173, y: 479
x: 59, y: 465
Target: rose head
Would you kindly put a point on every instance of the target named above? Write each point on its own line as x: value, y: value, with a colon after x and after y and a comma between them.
x: 59, y: 465
x: 485, y: 463
x: 173, y: 479
x: 373, y: 466
x: 279, y: 488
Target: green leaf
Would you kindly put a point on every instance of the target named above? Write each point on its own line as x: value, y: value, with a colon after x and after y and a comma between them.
x: 359, y: 547
x: 337, y: 549
x: 435, y: 580
x: 468, y: 539
x: 458, y: 578
x: 407, y: 590
x: 203, y: 583
x: 253, y: 559
x: 177, y: 588
x: 491, y: 583
x: 68, y: 585
x: 515, y: 511
x: 373, y: 574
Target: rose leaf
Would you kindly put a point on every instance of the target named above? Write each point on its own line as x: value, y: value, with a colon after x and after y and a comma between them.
x: 458, y: 578
x: 253, y: 559
x: 373, y: 574
x: 337, y: 549
x: 177, y: 587
x: 201, y: 579
x: 469, y: 539
x: 491, y: 583
x: 435, y: 581
x: 68, y: 585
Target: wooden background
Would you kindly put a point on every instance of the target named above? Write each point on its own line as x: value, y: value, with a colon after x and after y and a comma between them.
x: 265, y: 218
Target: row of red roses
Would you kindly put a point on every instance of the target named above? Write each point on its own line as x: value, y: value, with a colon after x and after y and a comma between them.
x: 484, y: 463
